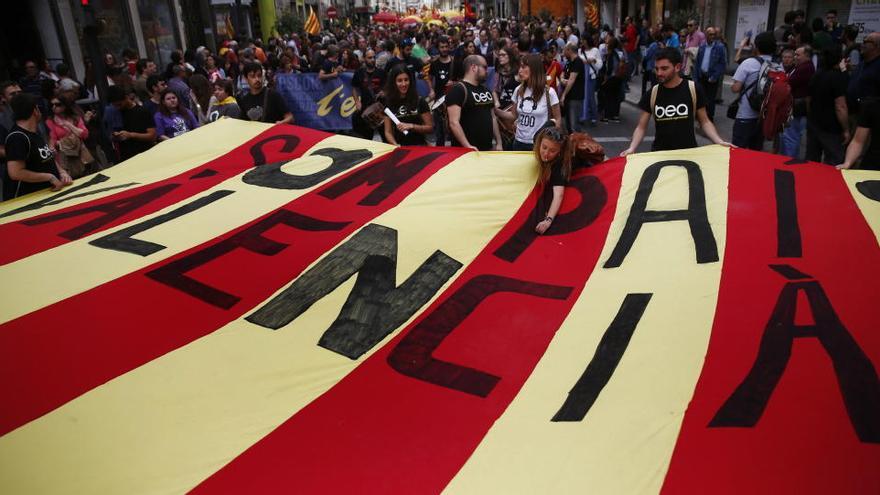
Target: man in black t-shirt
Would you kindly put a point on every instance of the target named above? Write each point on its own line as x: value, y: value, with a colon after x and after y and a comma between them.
x: 867, y: 127
x: 138, y: 133
x: 572, y: 100
x: 330, y: 67
x: 261, y: 104
x: 366, y: 87
x: 471, y: 105
x: 441, y: 78
x: 827, y: 115
x: 30, y: 162
x: 413, y: 65
x: 675, y: 104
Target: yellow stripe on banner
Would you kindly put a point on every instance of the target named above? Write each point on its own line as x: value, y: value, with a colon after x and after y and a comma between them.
x: 166, y: 159
x: 37, y: 282
x: 625, y: 441
x: 870, y: 208
x: 173, y: 422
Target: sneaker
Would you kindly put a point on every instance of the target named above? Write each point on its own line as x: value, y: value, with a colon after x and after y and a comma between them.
x: 593, y: 123
x: 603, y: 119
x: 614, y: 120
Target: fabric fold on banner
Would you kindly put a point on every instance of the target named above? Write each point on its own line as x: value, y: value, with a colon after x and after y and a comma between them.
x: 173, y: 422
x: 46, y: 230
x: 198, y: 290
x: 601, y: 411
x: 107, y: 255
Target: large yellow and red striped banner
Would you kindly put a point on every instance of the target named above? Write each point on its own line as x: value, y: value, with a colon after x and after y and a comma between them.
x: 251, y: 308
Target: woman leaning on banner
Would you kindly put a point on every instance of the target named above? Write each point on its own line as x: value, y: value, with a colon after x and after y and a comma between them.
x: 553, y: 152
x: 534, y: 104
x: 411, y: 110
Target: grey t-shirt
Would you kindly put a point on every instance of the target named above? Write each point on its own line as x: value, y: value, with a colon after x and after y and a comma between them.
x: 747, y: 73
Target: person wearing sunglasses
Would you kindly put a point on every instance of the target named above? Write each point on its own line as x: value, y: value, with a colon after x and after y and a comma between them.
x: 67, y: 133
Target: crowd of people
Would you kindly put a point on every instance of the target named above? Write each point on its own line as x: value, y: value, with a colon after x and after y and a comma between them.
x: 493, y: 84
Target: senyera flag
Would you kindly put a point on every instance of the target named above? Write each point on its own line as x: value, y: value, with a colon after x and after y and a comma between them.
x: 251, y: 308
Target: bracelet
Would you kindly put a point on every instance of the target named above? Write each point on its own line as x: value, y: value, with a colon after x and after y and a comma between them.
x: 548, y: 217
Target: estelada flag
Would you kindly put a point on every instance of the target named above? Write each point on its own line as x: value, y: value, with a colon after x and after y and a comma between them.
x: 250, y: 308
x: 313, y: 25
x: 230, y: 30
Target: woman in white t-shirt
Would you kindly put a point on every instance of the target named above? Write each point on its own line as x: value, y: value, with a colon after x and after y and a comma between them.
x: 533, y: 103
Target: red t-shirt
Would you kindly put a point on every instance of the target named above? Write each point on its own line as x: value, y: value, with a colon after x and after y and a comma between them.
x: 632, y: 38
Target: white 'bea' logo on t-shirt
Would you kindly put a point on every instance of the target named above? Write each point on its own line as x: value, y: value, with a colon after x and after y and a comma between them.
x: 482, y: 97
x: 669, y: 111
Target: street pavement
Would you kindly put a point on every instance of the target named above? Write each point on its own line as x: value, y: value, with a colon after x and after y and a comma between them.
x: 616, y: 137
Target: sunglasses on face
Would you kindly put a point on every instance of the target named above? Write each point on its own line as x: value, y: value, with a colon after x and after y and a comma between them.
x: 56, y: 103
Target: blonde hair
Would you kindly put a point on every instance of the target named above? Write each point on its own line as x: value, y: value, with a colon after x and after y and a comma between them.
x: 565, y: 153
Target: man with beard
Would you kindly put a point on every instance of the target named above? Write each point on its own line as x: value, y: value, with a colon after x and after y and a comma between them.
x: 470, y: 105
x: 674, y: 102
x: 366, y: 86
x: 441, y: 76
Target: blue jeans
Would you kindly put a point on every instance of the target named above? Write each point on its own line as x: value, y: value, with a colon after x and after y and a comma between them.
x: 573, y: 119
x: 747, y: 134
x: 590, y: 112
x: 791, y: 137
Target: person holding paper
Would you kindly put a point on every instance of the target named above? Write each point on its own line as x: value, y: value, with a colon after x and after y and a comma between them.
x: 410, y: 117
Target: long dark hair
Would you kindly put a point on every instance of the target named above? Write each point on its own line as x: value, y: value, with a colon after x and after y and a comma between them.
x: 537, y: 78
x: 202, y: 89
x: 70, y: 109
x: 393, y: 96
x: 565, y: 153
x: 164, y: 110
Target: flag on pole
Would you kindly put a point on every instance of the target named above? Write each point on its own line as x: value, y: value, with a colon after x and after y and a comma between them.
x: 230, y: 31
x: 313, y: 26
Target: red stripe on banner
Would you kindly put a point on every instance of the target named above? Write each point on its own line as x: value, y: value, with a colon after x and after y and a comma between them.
x: 51, y: 356
x: 761, y: 420
x: 39, y: 233
x: 409, y: 417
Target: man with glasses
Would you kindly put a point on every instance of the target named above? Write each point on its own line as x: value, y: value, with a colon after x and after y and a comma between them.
x: 470, y: 105
x: 709, y: 68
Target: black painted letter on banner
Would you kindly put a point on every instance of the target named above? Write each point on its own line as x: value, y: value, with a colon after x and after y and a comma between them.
x: 389, y: 171
x: 67, y: 194
x: 111, y: 210
x: 869, y: 189
x: 695, y: 214
x: 122, y: 240
x: 174, y: 273
x: 856, y: 375
x: 289, y: 143
x: 272, y: 176
x: 413, y: 354
x: 375, y: 306
x: 608, y: 355
x: 593, y: 198
x: 788, y: 232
